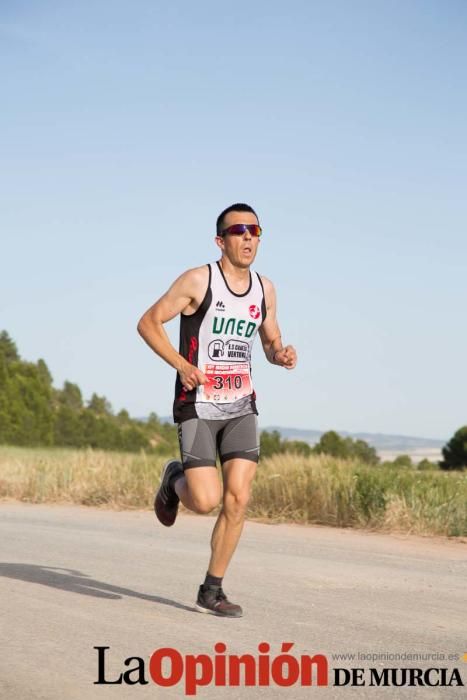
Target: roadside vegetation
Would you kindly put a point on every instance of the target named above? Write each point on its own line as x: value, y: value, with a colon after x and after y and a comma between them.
x: 56, y: 447
x: 289, y: 487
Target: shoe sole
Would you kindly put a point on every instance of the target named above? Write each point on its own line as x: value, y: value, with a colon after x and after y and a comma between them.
x: 200, y: 609
x: 160, y: 516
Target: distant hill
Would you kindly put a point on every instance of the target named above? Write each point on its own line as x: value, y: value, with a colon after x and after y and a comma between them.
x: 380, y: 441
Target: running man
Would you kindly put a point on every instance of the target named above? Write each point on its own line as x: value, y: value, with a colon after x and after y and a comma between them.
x: 222, y: 305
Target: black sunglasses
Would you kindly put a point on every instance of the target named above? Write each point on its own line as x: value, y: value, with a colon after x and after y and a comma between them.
x: 240, y: 229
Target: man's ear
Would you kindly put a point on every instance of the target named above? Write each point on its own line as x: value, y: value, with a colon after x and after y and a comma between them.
x: 219, y: 242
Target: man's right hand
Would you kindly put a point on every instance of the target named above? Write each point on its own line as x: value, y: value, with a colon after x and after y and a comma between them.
x: 191, y: 377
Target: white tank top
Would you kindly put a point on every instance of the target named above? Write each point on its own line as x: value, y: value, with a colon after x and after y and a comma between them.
x: 218, y: 339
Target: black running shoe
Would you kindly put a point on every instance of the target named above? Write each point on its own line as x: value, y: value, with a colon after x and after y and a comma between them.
x: 166, y: 501
x: 212, y: 600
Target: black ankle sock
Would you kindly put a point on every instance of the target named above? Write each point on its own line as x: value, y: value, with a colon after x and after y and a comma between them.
x: 212, y: 580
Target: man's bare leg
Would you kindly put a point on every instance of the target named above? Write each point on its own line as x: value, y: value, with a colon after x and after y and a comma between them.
x: 199, y: 489
x: 238, y: 476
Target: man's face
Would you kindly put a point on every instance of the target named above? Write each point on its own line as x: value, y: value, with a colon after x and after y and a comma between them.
x: 240, y: 250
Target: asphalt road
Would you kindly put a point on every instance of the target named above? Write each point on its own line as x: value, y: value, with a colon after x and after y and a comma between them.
x: 72, y: 578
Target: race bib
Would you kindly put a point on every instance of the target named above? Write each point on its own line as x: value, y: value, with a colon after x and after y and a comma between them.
x: 226, y: 382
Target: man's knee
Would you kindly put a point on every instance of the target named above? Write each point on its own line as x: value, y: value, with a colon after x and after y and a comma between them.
x: 236, y: 502
x: 205, y: 502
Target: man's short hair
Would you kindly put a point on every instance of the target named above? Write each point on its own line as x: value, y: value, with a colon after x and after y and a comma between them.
x: 233, y: 207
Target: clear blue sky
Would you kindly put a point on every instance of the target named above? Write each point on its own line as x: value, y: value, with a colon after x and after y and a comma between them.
x: 125, y: 127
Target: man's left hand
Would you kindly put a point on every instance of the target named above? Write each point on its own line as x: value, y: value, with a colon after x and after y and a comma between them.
x: 287, y: 357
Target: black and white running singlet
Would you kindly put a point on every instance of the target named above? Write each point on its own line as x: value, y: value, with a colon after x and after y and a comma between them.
x: 218, y: 339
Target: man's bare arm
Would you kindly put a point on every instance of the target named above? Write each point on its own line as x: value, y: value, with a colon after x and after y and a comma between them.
x: 270, y: 333
x: 181, y: 296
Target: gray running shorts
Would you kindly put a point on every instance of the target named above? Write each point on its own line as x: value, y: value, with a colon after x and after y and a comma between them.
x: 200, y: 439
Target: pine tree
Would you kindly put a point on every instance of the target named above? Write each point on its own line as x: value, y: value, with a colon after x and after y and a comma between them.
x: 455, y: 451
x: 33, y: 412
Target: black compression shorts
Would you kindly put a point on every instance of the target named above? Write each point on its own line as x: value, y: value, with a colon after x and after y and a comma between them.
x: 201, y: 439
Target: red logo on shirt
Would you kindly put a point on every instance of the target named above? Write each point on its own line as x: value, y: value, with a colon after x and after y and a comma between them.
x: 254, y: 311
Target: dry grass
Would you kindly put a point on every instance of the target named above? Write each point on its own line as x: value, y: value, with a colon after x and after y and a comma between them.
x: 88, y: 477
x: 287, y: 488
x: 329, y: 491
